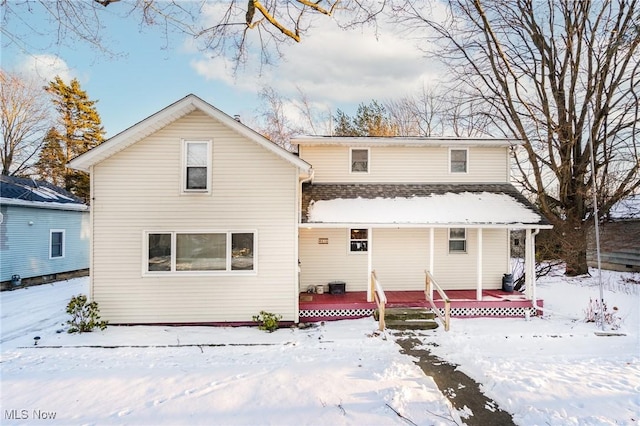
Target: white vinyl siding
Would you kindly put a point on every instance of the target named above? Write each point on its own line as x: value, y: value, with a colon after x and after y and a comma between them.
x: 406, y: 165
x: 330, y: 261
x: 253, y: 189
x: 400, y: 257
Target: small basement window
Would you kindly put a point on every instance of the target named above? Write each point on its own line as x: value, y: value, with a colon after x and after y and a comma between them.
x: 457, y: 240
x: 358, y: 240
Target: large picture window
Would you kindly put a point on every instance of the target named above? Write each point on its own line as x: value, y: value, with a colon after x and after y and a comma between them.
x: 200, y: 252
x: 197, y: 166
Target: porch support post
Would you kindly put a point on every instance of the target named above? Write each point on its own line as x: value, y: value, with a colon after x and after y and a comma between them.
x: 432, y: 231
x: 369, y: 263
x: 479, y: 266
x: 529, y: 268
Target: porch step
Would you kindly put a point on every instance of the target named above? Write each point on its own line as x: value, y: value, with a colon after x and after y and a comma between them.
x: 408, y: 318
x: 411, y: 324
x: 408, y: 314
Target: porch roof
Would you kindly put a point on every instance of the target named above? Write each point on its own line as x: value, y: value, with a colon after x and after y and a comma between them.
x: 418, y: 205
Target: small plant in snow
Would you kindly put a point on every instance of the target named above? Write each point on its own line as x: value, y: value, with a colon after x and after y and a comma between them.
x: 267, y: 321
x: 598, y: 311
x: 84, y: 316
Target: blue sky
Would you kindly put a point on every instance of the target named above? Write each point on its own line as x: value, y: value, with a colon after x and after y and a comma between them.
x: 334, y: 68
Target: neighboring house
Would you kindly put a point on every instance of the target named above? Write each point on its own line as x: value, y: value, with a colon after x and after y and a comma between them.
x: 44, y: 232
x: 199, y: 219
x: 619, y: 238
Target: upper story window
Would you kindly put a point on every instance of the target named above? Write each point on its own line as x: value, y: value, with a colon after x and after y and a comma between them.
x: 56, y: 243
x: 196, y: 169
x: 359, y: 160
x: 358, y: 240
x: 458, y: 160
x: 457, y: 240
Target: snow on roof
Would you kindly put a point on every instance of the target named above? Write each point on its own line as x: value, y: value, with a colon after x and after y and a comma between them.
x: 466, y: 208
x: 626, y: 209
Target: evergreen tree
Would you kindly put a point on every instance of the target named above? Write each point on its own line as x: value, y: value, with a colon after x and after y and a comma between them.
x: 370, y: 120
x: 51, y: 164
x: 79, y: 130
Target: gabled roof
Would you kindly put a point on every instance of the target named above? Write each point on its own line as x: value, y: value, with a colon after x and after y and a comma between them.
x: 18, y: 191
x: 437, y: 205
x: 167, y: 116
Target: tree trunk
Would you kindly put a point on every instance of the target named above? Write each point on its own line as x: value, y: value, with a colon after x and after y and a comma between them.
x: 572, y: 237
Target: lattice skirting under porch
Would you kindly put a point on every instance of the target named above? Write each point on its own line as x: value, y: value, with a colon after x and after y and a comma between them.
x: 468, y: 312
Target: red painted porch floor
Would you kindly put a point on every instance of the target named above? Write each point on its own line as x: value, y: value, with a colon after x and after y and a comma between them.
x: 494, y: 303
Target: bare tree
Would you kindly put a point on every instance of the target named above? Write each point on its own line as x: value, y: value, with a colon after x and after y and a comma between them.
x: 419, y: 114
x: 25, y: 118
x: 556, y: 74
x: 275, y: 122
x: 221, y: 27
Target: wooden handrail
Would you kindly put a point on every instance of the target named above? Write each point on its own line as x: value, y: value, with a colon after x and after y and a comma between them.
x: 446, y: 318
x: 380, y: 299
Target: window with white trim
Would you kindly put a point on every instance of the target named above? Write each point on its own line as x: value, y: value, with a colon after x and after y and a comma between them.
x: 458, y: 160
x: 196, y: 167
x: 358, y: 240
x: 208, y: 252
x: 359, y: 160
x: 457, y: 240
x: 56, y: 243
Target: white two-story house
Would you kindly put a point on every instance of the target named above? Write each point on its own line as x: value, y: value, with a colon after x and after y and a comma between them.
x: 196, y: 218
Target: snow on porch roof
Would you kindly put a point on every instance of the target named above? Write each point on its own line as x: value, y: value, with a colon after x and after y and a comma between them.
x: 476, y: 205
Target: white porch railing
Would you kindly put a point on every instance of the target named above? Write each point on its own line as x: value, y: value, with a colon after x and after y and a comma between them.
x: 380, y: 299
x: 428, y: 282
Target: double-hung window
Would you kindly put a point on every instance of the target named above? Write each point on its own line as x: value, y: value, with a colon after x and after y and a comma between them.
x: 359, y: 160
x: 196, y: 167
x: 458, y: 160
x: 358, y: 240
x: 206, y: 252
x: 56, y: 243
x: 457, y: 240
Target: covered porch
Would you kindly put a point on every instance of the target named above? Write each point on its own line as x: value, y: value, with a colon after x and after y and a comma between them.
x: 458, y: 235
x: 464, y: 304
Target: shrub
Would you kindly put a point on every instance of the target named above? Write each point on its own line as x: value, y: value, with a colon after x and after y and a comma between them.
x: 598, y: 311
x: 84, y: 316
x: 267, y: 321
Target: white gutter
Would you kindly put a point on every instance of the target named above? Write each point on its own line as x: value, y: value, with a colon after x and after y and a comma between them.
x: 53, y: 205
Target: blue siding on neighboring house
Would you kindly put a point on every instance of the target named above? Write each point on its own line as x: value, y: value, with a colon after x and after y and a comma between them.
x: 24, y: 248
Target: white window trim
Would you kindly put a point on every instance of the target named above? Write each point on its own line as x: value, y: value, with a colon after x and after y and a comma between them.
x: 465, y: 239
x: 173, y: 272
x: 451, y: 172
x: 351, y: 161
x: 357, y: 253
x: 183, y: 167
x: 64, y: 243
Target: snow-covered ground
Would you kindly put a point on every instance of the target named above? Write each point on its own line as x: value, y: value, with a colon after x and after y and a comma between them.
x: 553, y: 370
